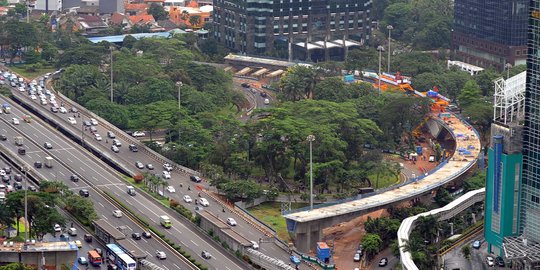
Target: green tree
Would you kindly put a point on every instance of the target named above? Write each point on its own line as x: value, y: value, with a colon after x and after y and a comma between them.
x: 129, y: 41
x: 298, y: 83
x: 15, y: 266
x: 475, y: 181
x: 115, y: 114
x: 158, y: 12
x: 21, y: 8
x: 195, y: 20
x: 399, y: 16
x: 443, y: 197
x: 470, y: 93
x: 248, y: 190
x: 372, y: 244
x: 77, y: 79
x: 485, y: 81
x: 466, y: 251
x: 359, y: 59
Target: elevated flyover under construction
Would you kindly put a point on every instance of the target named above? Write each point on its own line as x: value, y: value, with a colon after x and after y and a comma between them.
x: 307, y: 225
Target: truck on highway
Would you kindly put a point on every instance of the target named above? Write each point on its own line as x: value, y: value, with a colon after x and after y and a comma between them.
x: 48, y: 162
x: 6, y: 108
x: 18, y: 140
x: 165, y: 221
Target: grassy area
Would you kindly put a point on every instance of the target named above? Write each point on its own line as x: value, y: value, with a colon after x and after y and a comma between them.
x: 30, y: 75
x: 269, y: 213
x: 385, y: 179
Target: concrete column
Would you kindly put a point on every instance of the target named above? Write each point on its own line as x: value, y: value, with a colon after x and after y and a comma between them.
x: 302, y: 240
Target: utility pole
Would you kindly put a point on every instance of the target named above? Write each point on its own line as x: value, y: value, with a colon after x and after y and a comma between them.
x: 111, y: 48
x: 380, y: 48
x: 26, y: 224
x: 179, y: 84
x: 310, y: 139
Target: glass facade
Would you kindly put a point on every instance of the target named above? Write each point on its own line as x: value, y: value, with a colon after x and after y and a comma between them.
x: 530, y: 199
x: 500, y: 21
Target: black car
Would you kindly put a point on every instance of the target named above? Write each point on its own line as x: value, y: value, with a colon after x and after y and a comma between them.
x: 84, y: 192
x: 3, y: 137
x: 74, y: 178
x: 136, y: 236
x: 147, y: 234
x: 21, y: 151
x: 6, y: 178
x: 88, y: 238
x: 195, y: 179
x: 245, y: 85
x: 38, y: 164
x: 17, y: 177
x: 263, y: 94
x: 499, y: 261
x: 133, y: 148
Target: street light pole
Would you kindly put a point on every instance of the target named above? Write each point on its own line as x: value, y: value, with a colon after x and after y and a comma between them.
x: 390, y: 28
x: 26, y: 224
x: 179, y: 84
x: 380, y: 48
x: 111, y: 48
x: 310, y: 139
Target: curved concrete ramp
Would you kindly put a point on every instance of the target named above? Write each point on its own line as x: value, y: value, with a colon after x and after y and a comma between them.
x: 307, y: 225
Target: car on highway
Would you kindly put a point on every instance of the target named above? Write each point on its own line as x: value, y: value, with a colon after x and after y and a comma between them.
x: 54, y: 109
x: 62, y: 110
x: 93, y: 129
x: 74, y: 178
x: 98, y: 137
x: 195, y: 179
x: 166, y: 175
x: 161, y: 255
x: 15, y: 121
x: 87, y: 123
x: 110, y: 134
x: 93, y: 121
x: 47, y: 145
x: 476, y: 244
x: 116, y: 141
x: 117, y: 213
x: 78, y: 243
x: 383, y: 262
x: 115, y: 148
x: 266, y: 101
x: 294, y: 259
x: 138, y: 134
x: 57, y: 228
x: 150, y: 166
x: 170, y: 189
x: 84, y: 192
x: 245, y: 85
x: 38, y: 164
x: 139, y: 165
x: 187, y: 199
x: 263, y: 94
x: 204, y: 202
x: 88, y: 238
x: 33, y: 97
x: 17, y: 185
x: 254, y: 245
x: 18, y: 177
x: 3, y: 137
x: 136, y: 236
x: 32, y: 188
x: 99, y: 251
x: 231, y: 221
x: 167, y: 167
x: 74, y: 110
x: 499, y: 261
x: 356, y: 257
x: 72, y: 120
x: 147, y: 234
x: 490, y: 261
x: 133, y: 148
x: 205, y: 254
x: 82, y: 261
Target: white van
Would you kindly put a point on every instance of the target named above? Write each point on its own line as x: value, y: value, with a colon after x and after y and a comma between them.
x: 266, y: 101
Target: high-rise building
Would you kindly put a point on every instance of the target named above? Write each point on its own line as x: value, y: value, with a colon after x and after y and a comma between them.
x: 491, y: 33
x: 315, y: 28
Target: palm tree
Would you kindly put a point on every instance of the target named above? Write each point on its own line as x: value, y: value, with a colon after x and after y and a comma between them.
x: 195, y: 20
x: 185, y: 15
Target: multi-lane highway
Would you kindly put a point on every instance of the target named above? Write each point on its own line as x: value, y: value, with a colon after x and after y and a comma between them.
x: 127, y: 159
x: 99, y: 175
x: 103, y: 207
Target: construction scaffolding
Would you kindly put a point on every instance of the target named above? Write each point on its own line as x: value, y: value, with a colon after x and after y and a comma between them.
x: 509, y: 99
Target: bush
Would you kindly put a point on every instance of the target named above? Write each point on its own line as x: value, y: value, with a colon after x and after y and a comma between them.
x: 159, y: 233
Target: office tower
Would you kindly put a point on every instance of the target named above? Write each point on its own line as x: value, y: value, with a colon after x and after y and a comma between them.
x: 491, y: 33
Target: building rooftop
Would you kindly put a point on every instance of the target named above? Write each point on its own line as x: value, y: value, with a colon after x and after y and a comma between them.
x: 38, y: 246
x: 250, y: 60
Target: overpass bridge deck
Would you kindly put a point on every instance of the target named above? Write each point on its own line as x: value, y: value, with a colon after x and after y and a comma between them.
x: 466, y: 138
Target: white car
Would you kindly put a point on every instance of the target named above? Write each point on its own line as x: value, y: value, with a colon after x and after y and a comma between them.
x: 187, y: 199
x: 204, y: 202
x: 21, y: 89
x: 231, y: 221
x: 170, y: 189
x: 490, y: 261
x: 43, y: 101
x: 161, y: 255
x: 98, y: 137
x: 15, y: 121
x: 167, y: 167
x: 62, y: 110
x: 57, y: 228
x: 93, y: 122
x: 138, y: 134
x: 72, y: 120
x: 2, y: 172
x: 166, y: 175
x: 117, y: 213
x: 255, y: 245
x: 33, y: 97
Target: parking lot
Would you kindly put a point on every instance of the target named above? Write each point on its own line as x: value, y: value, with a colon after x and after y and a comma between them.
x: 478, y: 256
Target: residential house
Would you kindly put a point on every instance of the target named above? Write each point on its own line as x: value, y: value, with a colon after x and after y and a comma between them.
x: 132, y: 9
x: 91, y: 24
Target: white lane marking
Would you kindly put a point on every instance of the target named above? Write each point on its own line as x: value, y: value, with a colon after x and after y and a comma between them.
x: 176, y: 265
x: 104, y: 217
x: 60, y: 172
x: 165, y: 267
x: 194, y: 242
x: 103, y: 206
x: 82, y: 169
